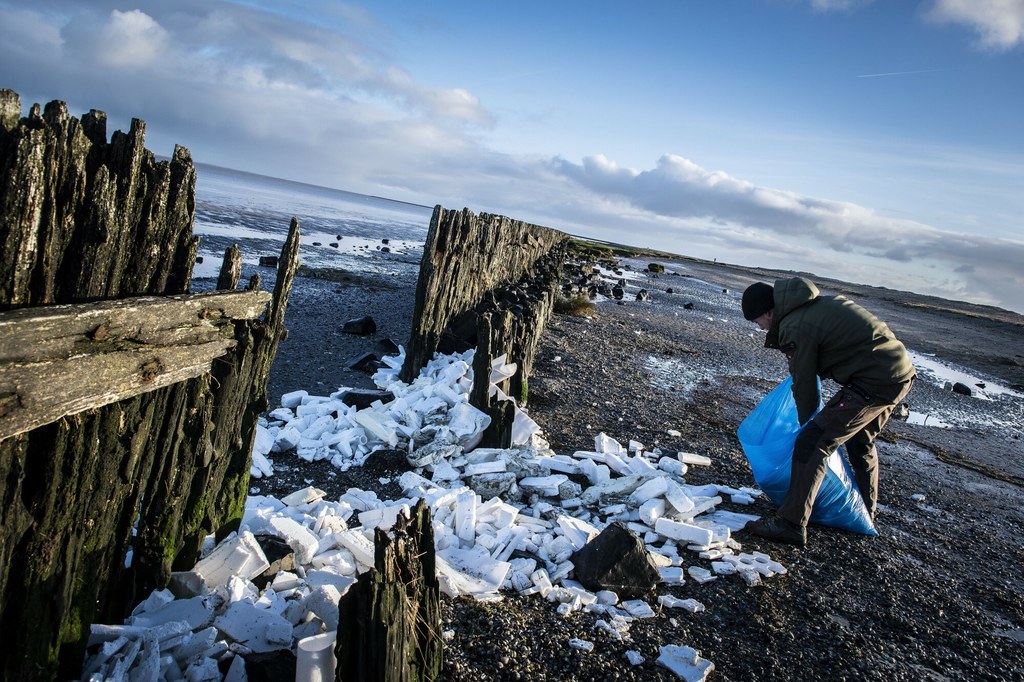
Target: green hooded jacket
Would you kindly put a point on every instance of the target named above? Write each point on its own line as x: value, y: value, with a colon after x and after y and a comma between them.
x: 833, y: 338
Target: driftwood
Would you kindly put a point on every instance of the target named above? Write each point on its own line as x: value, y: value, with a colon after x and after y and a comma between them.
x: 390, y: 618
x: 142, y: 480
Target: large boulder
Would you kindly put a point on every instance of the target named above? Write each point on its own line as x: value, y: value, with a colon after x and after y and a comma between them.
x: 616, y: 560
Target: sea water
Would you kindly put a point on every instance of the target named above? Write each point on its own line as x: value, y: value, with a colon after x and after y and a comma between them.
x: 341, y: 230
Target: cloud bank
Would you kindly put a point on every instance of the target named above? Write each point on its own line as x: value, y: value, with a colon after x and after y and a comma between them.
x: 849, y: 237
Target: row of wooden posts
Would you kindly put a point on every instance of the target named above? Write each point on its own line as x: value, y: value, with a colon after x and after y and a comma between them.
x: 128, y: 406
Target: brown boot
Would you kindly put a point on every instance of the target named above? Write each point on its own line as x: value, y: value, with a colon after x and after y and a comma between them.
x: 778, y: 530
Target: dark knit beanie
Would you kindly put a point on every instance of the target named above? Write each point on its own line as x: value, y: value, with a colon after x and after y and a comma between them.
x: 758, y: 299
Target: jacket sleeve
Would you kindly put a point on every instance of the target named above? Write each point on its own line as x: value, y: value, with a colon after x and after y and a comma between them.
x: 802, y: 354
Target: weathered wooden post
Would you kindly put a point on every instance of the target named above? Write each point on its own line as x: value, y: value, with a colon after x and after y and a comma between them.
x: 487, y: 282
x: 390, y: 619
x: 115, y: 416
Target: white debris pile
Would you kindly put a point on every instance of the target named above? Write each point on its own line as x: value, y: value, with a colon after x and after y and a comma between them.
x: 433, y: 410
x: 503, y: 519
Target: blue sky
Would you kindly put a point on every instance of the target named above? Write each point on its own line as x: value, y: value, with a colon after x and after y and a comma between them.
x: 877, y: 142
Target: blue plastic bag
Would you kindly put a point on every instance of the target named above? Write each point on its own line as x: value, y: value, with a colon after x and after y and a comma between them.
x: 768, y: 435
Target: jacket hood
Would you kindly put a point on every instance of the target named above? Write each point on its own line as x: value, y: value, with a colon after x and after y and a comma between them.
x: 792, y: 293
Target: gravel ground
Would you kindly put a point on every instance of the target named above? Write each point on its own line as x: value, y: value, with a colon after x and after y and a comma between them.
x: 937, y: 596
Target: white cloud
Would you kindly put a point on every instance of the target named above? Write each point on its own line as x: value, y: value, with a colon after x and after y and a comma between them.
x: 131, y: 40
x: 999, y: 23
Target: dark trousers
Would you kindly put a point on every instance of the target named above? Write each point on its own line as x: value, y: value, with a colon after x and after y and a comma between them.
x: 855, y: 416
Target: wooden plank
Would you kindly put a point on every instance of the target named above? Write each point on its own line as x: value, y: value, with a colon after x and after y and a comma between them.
x: 62, y: 360
x: 62, y: 331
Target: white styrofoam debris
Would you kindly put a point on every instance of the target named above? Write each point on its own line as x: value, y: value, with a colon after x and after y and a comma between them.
x: 581, y: 644
x: 677, y: 530
x: 258, y: 629
x: 670, y: 602
x: 240, y: 555
x: 307, y: 495
x: 672, y: 575
x: 521, y: 538
x: 693, y: 458
x: 685, y: 662
x: 293, y: 399
x: 300, y: 538
x: 638, y: 608
x: 701, y: 575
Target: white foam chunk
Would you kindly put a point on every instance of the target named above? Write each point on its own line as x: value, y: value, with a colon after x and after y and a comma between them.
x: 258, y: 629
x: 670, y: 602
x: 307, y: 495
x: 656, y: 487
x: 577, y: 531
x: 701, y: 575
x: 354, y: 541
x: 638, y: 608
x: 293, y: 399
x: 693, y: 458
x: 301, y: 539
x: 581, y: 644
x: 240, y: 555
x: 471, y: 573
x: 197, y: 612
x: 685, y: 662
x: 383, y: 517
x: 543, y: 485
x: 677, y: 530
x: 672, y: 575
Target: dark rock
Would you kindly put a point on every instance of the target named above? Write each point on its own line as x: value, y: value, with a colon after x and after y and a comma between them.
x: 388, y: 346
x: 385, y: 249
x: 272, y: 666
x: 186, y: 584
x: 367, y: 362
x: 361, y: 398
x: 962, y: 389
x: 616, y: 560
x: 280, y: 556
x: 363, y: 326
x: 268, y: 261
x: 688, y: 306
x: 199, y: 259
x: 618, y: 292
x: 385, y: 241
x: 669, y: 291
x: 317, y: 244
x: 333, y: 245
x: 643, y: 295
